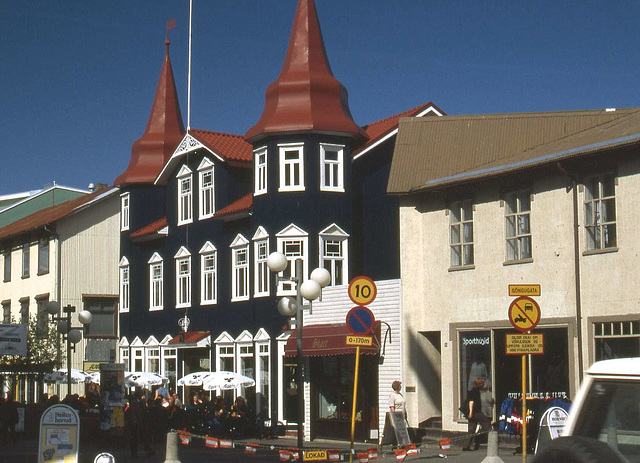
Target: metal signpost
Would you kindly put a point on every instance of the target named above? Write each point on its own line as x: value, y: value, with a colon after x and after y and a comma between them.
x: 524, y: 315
x: 360, y: 321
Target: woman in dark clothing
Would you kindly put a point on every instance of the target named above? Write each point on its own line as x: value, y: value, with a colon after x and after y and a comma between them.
x: 475, y: 415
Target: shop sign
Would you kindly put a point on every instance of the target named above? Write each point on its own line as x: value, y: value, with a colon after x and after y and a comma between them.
x: 521, y: 344
x: 59, y: 434
x: 315, y: 455
x: 13, y: 339
x: 524, y: 290
x: 359, y: 340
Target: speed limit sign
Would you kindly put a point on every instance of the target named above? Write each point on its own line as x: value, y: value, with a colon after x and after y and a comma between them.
x: 362, y: 290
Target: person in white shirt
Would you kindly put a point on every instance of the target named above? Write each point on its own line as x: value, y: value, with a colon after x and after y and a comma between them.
x: 396, y: 399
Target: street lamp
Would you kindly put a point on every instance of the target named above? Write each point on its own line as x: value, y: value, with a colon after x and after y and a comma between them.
x: 72, y: 334
x: 287, y: 306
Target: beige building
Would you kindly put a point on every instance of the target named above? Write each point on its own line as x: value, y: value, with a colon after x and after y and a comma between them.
x: 66, y: 253
x: 489, y: 201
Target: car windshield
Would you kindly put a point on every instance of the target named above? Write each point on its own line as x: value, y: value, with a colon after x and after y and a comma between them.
x: 611, y: 413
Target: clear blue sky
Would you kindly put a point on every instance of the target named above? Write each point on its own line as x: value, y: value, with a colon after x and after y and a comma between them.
x: 77, y: 78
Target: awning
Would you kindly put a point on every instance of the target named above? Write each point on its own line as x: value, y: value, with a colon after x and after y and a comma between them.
x: 329, y: 339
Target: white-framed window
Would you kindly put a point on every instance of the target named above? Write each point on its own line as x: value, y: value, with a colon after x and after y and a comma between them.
x: 263, y: 369
x: 124, y: 358
x: 600, y: 211
x: 291, y: 167
x: 208, y: 274
x: 183, y: 278
x: 207, y: 193
x: 260, y: 171
x: 124, y: 285
x: 261, y: 272
x: 156, y: 282
x: 124, y: 211
x: 334, y: 254
x: 293, y: 242
x: 240, y: 272
x: 137, y: 361
x: 461, y: 233
x: 518, y: 224
x: 185, y: 196
x: 331, y: 167
x: 26, y: 251
x: 169, y: 366
x: 153, y: 360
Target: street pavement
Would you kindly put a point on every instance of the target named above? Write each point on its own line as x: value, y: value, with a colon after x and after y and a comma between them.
x: 26, y: 450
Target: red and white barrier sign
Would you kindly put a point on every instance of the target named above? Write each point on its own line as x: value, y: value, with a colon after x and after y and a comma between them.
x: 445, y: 444
x: 373, y: 453
x: 401, y: 454
x: 333, y: 455
x: 185, y: 438
x: 363, y: 457
x: 285, y: 455
x: 226, y: 444
x: 211, y: 442
x: 251, y: 449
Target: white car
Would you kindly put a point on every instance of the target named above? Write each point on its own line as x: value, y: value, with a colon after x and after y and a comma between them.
x: 604, y: 422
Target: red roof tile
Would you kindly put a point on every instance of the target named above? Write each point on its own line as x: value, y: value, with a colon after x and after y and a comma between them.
x: 379, y: 129
x: 226, y: 145
x: 150, y: 229
x: 306, y: 96
x: 163, y: 133
x: 189, y: 337
x: 50, y: 214
x: 243, y: 204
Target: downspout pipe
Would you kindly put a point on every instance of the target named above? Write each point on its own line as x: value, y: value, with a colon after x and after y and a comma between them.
x: 576, y: 266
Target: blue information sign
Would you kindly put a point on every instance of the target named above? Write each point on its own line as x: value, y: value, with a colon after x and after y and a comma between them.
x: 360, y: 320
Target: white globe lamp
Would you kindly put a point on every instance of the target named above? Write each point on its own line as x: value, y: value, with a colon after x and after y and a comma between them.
x: 310, y: 290
x: 74, y: 336
x: 287, y: 306
x: 322, y: 276
x: 277, y: 262
x: 85, y: 317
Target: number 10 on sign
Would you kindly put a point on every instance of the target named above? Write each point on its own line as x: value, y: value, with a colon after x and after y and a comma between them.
x: 362, y: 290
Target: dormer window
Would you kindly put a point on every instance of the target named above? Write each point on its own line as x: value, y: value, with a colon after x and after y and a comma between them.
x: 260, y: 171
x: 207, y: 198
x: 185, y: 196
x: 331, y: 168
x: 291, y: 167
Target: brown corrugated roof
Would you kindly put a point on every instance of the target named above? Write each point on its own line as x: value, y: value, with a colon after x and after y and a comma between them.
x: 432, y: 152
x: 51, y: 214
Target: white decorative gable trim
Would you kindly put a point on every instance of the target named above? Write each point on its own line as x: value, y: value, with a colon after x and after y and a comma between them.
x: 224, y: 338
x: 292, y: 230
x: 182, y: 252
x: 137, y: 342
x: 334, y: 230
x: 239, y: 241
x: 260, y: 234
x: 184, y: 171
x: 124, y: 342
x: 206, y: 163
x: 123, y: 262
x: 207, y: 248
x: 151, y: 341
x: 155, y: 258
x: 245, y: 337
x: 166, y: 340
x: 262, y: 335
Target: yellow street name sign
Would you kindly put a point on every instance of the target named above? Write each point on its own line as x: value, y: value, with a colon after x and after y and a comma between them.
x: 354, y: 340
x: 524, y: 290
x: 520, y: 344
x: 315, y: 455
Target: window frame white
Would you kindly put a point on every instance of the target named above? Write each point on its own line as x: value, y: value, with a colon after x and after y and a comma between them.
x: 239, y: 271
x: 26, y: 260
x: 185, y: 197
x: 285, y: 242
x: 334, y: 233
x: 206, y: 195
x: 208, y: 277
x: 183, y: 280
x: 260, y: 171
x: 334, y: 181
x: 288, y: 167
x: 261, y: 273
x: 125, y: 285
x: 125, y: 214
x: 262, y: 343
x: 153, y: 353
x: 516, y: 219
x: 156, y: 284
x: 596, y: 241
x: 460, y: 222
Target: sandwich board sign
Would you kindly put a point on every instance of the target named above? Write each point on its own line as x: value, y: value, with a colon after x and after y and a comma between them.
x: 59, y: 435
x: 552, y: 425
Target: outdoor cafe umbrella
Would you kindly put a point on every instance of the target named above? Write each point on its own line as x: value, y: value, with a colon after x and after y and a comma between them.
x: 194, y: 379
x: 94, y: 377
x: 143, y: 379
x: 226, y: 380
x: 60, y: 376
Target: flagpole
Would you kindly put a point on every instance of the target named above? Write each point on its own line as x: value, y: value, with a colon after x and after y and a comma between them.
x: 189, y: 72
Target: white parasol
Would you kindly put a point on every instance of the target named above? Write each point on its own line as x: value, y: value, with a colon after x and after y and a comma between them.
x: 61, y: 377
x: 94, y: 377
x: 143, y: 379
x: 226, y: 380
x: 194, y: 379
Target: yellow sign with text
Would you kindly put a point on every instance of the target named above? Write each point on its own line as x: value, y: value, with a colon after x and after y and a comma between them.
x: 524, y: 290
x: 521, y: 344
x: 354, y: 340
x: 315, y: 455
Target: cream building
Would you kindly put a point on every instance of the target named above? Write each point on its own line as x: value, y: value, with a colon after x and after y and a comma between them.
x: 66, y: 253
x: 489, y: 201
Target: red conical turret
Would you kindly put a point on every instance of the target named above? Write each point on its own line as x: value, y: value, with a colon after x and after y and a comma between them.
x: 164, y: 132
x: 306, y: 96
